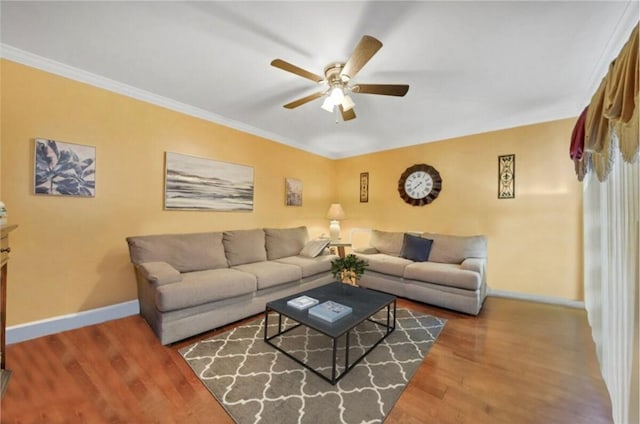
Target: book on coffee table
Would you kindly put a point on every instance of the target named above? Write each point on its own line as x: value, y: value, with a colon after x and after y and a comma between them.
x: 330, y: 311
x: 302, y: 302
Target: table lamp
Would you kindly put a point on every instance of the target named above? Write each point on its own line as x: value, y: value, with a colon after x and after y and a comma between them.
x: 335, y: 214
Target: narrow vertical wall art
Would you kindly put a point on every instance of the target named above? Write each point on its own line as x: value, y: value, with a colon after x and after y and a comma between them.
x: 364, y: 187
x: 506, y: 177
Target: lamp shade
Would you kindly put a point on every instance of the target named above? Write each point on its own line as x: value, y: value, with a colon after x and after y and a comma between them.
x: 337, y: 95
x: 335, y: 212
x: 327, y: 104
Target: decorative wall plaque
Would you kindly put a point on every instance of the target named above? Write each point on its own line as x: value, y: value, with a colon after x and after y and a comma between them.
x: 364, y: 187
x: 506, y: 177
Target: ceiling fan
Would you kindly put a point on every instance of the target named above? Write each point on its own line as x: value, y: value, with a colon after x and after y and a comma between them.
x: 338, y: 78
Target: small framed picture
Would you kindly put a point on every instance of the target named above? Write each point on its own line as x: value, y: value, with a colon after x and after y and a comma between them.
x: 364, y: 187
x: 64, y: 169
x: 292, y: 192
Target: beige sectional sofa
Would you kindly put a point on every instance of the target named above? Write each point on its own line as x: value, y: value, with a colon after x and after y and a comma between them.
x: 191, y: 283
x: 453, y: 276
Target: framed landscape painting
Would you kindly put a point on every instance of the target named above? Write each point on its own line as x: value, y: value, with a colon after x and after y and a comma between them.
x: 193, y: 183
x: 292, y: 192
x: 64, y: 169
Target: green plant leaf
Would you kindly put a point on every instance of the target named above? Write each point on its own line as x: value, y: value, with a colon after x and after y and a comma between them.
x: 349, y: 263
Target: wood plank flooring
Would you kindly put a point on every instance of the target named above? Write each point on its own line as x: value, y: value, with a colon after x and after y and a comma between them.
x: 518, y: 362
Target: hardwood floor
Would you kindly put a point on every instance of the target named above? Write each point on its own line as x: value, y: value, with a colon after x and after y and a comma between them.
x: 518, y: 362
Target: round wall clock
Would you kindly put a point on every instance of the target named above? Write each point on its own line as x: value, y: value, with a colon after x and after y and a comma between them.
x: 419, y: 184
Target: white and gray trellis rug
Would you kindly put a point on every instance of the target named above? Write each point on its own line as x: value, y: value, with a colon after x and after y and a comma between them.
x: 257, y: 384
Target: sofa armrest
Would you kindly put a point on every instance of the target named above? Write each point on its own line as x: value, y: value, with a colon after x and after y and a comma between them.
x: 365, y: 250
x: 159, y: 273
x: 474, y: 264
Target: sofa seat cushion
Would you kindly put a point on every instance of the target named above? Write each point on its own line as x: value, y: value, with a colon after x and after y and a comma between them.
x: 452, y: 275
x: 284, y: 242
x: 310, y: 266
x: 386, y: 264
x: 201, y: 287
x: 184, y: 252
x: 272, y: 273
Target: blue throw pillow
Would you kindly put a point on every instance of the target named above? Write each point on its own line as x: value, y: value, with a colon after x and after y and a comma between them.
x: 416, y: 248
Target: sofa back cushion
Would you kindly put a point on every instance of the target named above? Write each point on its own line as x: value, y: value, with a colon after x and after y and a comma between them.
x: 184, y: 252
x: 244, y: 246
x: 449, y: 249
x: 387, y: 242
x: 284, y: 242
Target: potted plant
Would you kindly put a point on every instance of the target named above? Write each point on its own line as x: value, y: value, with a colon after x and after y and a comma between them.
x: 348, y: 269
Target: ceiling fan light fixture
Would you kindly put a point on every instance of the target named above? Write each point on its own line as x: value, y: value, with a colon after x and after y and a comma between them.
x: 337, y: 95
x: 328, y: 104
x: 337, y: 81
x: 347, y: 103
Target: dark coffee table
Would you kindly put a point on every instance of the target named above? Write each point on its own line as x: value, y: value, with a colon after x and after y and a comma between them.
x: 364, y: 302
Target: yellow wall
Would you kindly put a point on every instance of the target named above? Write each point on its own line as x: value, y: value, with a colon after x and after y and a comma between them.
x: 70, y: 255
x: 535, y: 240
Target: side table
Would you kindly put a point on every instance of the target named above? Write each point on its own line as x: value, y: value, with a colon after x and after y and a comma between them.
x: 340, y: 245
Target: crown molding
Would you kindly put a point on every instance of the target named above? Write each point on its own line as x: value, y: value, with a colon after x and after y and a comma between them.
x: 51, y: 66
x: 619, y: 36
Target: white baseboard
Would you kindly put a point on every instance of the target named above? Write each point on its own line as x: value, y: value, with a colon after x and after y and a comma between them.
x: 536, y: 298
x: 31, y: 330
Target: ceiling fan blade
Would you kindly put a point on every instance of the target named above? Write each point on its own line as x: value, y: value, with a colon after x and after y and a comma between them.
x: 347, y: 115
x: 384, y: 89
x: 366, y: 48
x: 307, y: 99
x: 286, y: 66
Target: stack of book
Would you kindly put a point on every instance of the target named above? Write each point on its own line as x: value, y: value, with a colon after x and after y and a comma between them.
x: 302, y: 302
x: 330, y: 311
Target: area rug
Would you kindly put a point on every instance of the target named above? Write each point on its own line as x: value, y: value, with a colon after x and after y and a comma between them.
x: 255, y: 383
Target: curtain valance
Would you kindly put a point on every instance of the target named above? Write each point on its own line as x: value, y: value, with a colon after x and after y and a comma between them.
x: 610, y: 121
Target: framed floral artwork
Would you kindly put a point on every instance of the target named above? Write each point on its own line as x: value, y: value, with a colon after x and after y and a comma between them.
x: 64, y: 169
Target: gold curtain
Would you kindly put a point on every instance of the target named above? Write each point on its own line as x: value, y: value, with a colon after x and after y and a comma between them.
x: 612, y: 116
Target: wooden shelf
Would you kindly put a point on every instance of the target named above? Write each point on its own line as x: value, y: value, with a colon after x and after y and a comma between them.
x: 5, y: 374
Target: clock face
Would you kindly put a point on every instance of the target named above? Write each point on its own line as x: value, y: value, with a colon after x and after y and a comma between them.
x: 419, y: 184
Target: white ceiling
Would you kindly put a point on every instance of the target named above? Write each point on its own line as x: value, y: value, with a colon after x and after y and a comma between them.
x: 472, y: 66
